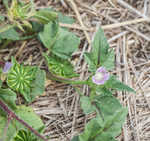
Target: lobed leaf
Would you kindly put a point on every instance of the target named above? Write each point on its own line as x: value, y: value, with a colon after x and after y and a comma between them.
x: 107, y: 125
x: 9, y: 97
x: 38, y: 84
x: 100, y: 54
x: 49, y: 35
x: 115, y: 84
x: 65, y: 44
x: 9, y: 33
x: 86, y: 105
x: 45, y: 16
x: 90, y: 62
x: 65, y: 19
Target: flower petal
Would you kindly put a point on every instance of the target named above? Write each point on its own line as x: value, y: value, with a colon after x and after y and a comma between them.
x: 7, y: 67
x: 101, y: 76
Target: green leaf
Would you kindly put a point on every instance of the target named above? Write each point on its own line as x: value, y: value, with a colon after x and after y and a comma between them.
x: 2, y: 18
x: 117, y: 85
x: 1, y: 82
x: 104, y: 102
x: 60, y: 67
x: 49, y: 34
x: 103, y: 91
x: 9, y: 33
x: 36, y: 27
x: 100, y: 55
x: 65, y: 44
x: 11, y: 130
x: 38, y: 84
x: 100, y: 47
x: 5, y: 2
x: 86, y: 105
x: 90, y: 62
x: 75, y: 138
x: 5, y: 28
x: 9, y: 97
x: 65, y: 19
x: 45, y: 16
x: 26, y: 114
x: 107, y: 125
x: 109, y: 61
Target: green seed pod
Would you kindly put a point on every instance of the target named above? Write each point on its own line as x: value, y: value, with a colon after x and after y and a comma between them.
x: 20, y: 77
x: 23, y: 135
x: 60, y: 67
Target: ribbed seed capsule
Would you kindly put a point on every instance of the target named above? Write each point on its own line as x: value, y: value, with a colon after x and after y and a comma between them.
x: 20, y: 77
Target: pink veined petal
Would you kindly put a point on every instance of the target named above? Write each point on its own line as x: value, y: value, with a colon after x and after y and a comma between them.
x: 101, y: 80
x: 98, y: 82
x: 101, y: 69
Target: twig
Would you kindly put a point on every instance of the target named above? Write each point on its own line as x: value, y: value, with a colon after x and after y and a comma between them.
x: 74, y: 7
x: 110, y: 26
x: 129, y: 28
x: 14, y: 116
x: 126, y: 5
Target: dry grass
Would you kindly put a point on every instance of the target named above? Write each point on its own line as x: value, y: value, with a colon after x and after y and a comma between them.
x: 127, y: 27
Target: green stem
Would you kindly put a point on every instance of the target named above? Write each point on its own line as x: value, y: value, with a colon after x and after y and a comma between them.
x: 67, y: 81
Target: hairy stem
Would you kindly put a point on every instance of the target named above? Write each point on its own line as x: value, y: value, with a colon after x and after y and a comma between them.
x: 50, y: 76
x: 14, y: 116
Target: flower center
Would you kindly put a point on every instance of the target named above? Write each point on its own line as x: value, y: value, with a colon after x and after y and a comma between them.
x: 98, y: 76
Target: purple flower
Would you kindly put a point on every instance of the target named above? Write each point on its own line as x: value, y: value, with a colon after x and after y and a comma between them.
x: 101, y: 76
x: 7, y: 67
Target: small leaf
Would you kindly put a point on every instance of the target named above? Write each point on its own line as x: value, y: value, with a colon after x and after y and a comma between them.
x: 104, y: 102
x: 103, y: 91
x: 109, y: 61
x: 49, y: 34
x: 9, y: 97
x: 2, y: 18
x: 11, y: 130
x: 5, y: 2
x: 117, y: 85
x: 100, y: 47
x: 36, y: 27
x: 86, y: 105
x: 100, y: 54
x: 65, y: 19
x: 9, y: 33
x: 107, y: 125
x: 38, y: 84
x: 90, y: 62
x: 76, y: 138
x: 1, y: 82
x: 45, y: 16
x: 65, y: 44
x: 27, y: 114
